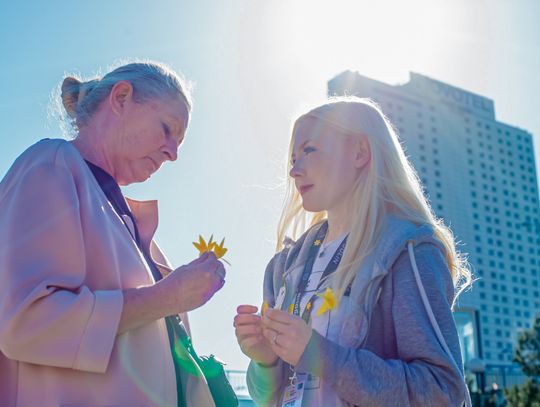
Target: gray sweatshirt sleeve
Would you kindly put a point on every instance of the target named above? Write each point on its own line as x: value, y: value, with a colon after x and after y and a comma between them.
x: 265, y: 383
x: 423, y: 375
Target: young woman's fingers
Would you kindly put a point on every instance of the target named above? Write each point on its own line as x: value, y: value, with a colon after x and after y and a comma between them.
x: 247, y: 309
x: 244, y: 319
x: 280, y: 316
x: 244, y: 330
x: 250, y: 341
x: 273, y: 324
x: 278, y: 341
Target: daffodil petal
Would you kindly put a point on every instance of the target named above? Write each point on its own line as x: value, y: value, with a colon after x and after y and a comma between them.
x: 322, y: 309
x: 329, y: 301
x: 211, y: 246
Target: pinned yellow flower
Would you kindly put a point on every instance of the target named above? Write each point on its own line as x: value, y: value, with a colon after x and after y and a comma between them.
x: 264, y: 308
x: 203, y: 247
x: 329, y: 301
x: 291, y: 308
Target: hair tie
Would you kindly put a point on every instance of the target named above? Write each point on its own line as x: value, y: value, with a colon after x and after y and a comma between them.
x: 86, y: 88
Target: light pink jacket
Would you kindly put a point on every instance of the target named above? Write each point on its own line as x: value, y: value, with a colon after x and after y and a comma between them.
x: 65, y: 257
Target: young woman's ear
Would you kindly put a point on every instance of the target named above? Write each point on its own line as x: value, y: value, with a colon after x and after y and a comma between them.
x: 362, y: 152
x: 121, y: 92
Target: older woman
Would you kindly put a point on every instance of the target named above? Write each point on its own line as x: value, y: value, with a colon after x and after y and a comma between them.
x: 83, y: 300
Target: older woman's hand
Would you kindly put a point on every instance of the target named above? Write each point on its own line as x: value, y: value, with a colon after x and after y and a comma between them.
x: 190, y: 286
x: 186, y: 288
x: 287, y: 334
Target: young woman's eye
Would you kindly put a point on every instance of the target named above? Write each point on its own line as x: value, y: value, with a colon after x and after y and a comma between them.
x: 308, y: 150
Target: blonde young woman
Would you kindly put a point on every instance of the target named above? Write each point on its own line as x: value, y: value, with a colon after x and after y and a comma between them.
x: 359, y: 307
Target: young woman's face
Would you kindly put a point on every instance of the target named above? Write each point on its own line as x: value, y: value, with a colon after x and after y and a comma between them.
x: 148, y: 135
x: 326, y: 164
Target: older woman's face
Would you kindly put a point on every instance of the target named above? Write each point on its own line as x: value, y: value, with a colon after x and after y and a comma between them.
x: 149, y: 134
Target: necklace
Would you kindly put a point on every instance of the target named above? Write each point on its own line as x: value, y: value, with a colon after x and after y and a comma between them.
x: 326, y: 245
x: 323, y: 248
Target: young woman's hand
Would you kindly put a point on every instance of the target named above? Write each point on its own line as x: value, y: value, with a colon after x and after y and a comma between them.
x: 250, y: 337
x: 287, y: 334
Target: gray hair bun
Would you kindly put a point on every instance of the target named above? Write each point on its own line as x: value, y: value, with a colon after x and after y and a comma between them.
x: 70, y: 95
x: 150, y: 80
x: 73, y: 92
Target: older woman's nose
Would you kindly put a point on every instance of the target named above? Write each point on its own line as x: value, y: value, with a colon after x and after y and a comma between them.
x: 170, y: 150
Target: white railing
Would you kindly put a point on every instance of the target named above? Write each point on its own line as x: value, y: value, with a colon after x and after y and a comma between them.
x: 237, y: 378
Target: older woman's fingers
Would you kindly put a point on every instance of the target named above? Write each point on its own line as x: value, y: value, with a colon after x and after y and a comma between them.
x: 202, y: 258
x: 220, y: 270
x: 206, y: 259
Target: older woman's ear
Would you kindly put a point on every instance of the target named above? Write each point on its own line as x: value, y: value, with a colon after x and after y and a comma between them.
x: 121, y: 92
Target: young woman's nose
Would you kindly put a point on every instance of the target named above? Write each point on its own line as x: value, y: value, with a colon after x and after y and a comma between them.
x: 296, y: 170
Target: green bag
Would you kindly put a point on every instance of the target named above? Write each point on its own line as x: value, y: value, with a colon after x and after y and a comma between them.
x: 211, y: 367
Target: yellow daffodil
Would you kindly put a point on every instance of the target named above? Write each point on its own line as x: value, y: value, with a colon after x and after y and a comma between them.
x: 264, y: 308
x: 219, y: 250
x: 291, y: 308
x: 202, y: 246
x: 317, y: 242
x: 211, y: 246
x: 329, y: 301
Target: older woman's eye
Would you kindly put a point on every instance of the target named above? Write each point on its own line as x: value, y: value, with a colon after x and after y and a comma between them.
x: 166, y: 129
x: 308, y: 150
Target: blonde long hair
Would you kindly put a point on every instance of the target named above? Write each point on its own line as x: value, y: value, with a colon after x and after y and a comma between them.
x: 389, y: 186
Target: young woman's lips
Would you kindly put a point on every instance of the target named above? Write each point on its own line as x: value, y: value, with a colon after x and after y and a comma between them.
x: 304, y: 188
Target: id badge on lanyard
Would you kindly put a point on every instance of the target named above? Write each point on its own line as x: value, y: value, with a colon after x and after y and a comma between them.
x: 299, y: 382
x: 294, y: 392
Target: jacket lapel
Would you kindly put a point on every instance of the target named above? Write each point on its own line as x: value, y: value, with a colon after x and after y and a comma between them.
x: 147, y: 218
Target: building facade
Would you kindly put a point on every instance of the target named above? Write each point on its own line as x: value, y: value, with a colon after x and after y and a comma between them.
x: 480, y: 177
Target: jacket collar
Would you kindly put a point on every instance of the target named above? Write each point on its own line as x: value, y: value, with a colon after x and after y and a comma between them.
x: 146, y: 216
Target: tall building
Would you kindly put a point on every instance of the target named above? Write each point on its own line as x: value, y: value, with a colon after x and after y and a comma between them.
x: 480, y: 177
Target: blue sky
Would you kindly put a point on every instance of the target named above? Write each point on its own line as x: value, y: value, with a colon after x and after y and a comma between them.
x: 255, y: 66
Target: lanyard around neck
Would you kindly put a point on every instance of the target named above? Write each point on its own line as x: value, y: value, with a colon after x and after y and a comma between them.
x: 330, y: 268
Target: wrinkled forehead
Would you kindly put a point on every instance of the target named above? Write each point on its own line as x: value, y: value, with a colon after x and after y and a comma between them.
x: 173, y: 108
